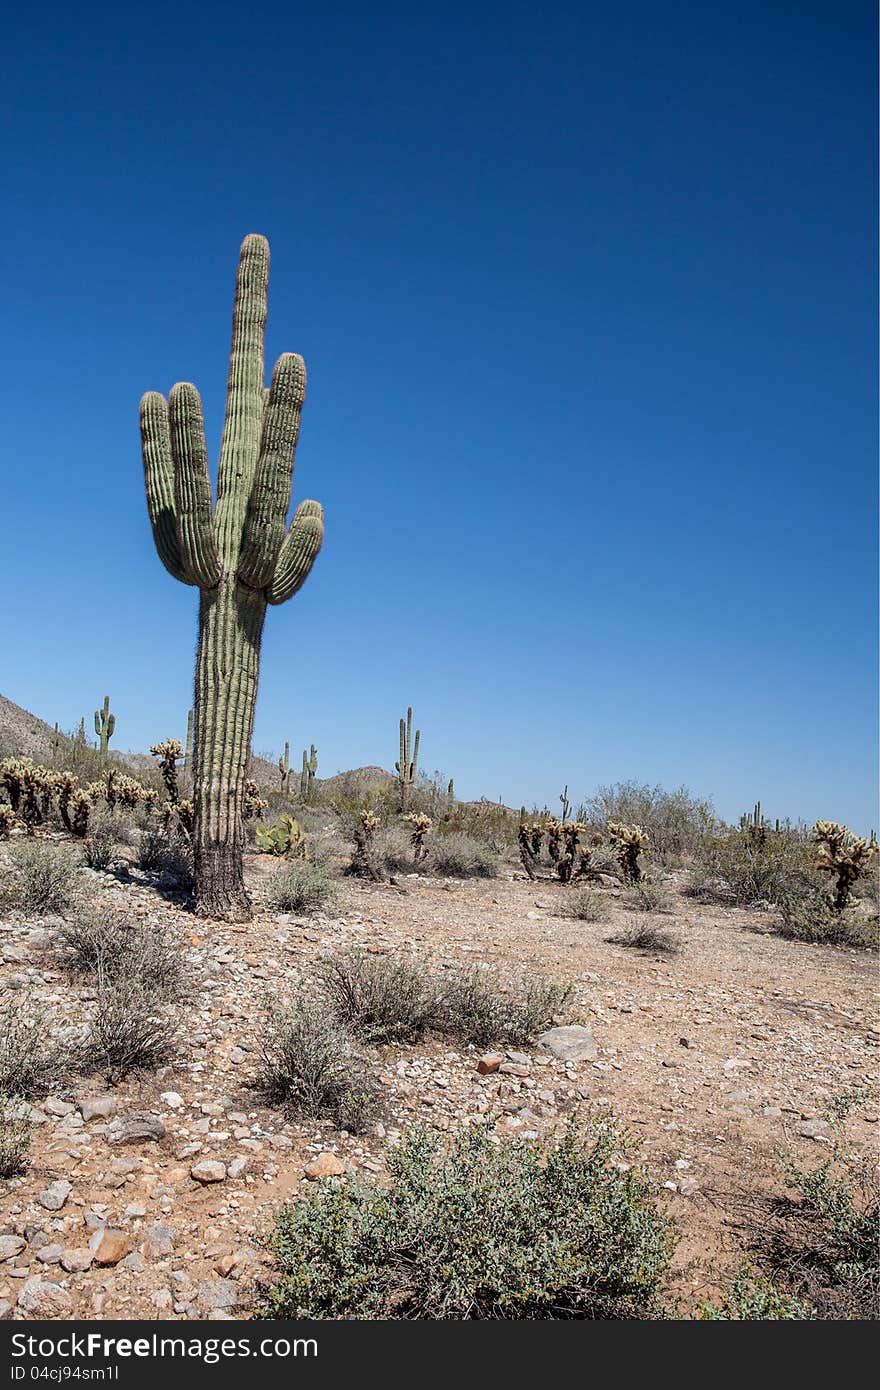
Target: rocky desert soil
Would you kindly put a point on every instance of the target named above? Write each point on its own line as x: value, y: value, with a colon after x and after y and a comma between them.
x: 150, y: 1200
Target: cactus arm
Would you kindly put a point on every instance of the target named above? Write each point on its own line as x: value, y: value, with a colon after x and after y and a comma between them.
x: 401, y: 766
x: 415, y: 760
x: 244, y: 387
x: 111, y: 725
x: 159, y: 482
x: 192, y: 486
x: 97, y: 723
x: 298, y: 553
x: 270, y: 494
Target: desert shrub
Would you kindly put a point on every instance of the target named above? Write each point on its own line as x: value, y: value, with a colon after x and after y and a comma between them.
x: 458, y: 855
x: 475, y: 1007
x: 300, y: 888
x: 584, y: 904
x: 29, y: 1062
x: 676, y: 822
x: 813, y: 919
x: 489, y: 822
x: 647, y: 896
x: 43, y: 878
x: 308, y: 1064
x: 751, y: 1297
x: 828, y: 1248
x: 170, y: 853
x: 98, y: 847
x: 130, y: 1031
x: 378, y: 1000
x: 647, y: 936
x: 126, y: 953
x: 394, y: 851
x: 736, y: 867
x: 477, y: 1230
x: 15, y: 1137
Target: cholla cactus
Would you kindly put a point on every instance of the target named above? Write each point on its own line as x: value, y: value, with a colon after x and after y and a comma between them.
x: 105, y: 723
x: 12, y: 773
x: 237, y: 554
x: 364, y: 863
x: 420, y: 827
x: 407, y: 765
x: 843, y: 854
x: 79, y: 808
x: 253, y: 804
x: 169, y: 752
x: 629, y: 841
x: 7, y: 821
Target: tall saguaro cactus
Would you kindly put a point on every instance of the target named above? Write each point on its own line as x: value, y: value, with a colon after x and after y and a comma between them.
x: 407, y: 767
x: 307, y: 776
x: 105, y: 723
x: 236, y: 552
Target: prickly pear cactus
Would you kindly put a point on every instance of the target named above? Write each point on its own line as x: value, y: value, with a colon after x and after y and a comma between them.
x: 240, y: 554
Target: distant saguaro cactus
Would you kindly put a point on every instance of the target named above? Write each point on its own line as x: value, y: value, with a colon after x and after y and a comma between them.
x: 284, y: 770
x: 236, y: 553
x: 407, y: 766
x: 307, y: 776
x: 105, y: 723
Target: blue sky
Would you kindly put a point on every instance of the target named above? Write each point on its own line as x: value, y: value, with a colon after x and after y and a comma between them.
x: 586, y: 295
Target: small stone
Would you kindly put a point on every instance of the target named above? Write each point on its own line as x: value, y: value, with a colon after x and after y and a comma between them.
x: 172, y: 1099
x: 109, y: 1246
x: 55, y: 1195
x: 10, y: 1246
x: 491, y: 1062
x: 514, y: 1069
x: 813, y: 1129
x: 98, y: 1107
x: 50, y: 1254
x: 326, y: 1165
x: 162, y: 1298
x: 237, y: 1166
x: 220, y: 1293
x: 209, y: 1170
x: 160, y: 1240
x: 57, y: 1107
x: 573, y: 1043
x: 77, y: 1261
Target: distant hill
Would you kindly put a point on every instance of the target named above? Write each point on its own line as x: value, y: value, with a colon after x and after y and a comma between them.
x: 24, y: 734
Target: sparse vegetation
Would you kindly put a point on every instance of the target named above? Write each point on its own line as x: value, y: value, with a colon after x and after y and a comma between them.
x: 124, y: 952
x: 43, y: 878
x: 300, y: 888
x: 476, y: 1007
x: 15, y: 1136
x: 584, y: 905
x: 381, y: 1001
x: 130, y: 1030
x: 648, y: 936
x: 647, y: 896
x: 461, y: 856
x: 29, y: 1060
x: 308, y: 1064
x: 751, y: 1298
x: 477, y: 1230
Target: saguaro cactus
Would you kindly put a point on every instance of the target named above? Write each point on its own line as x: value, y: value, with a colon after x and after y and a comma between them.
x: 188, y: 746
x: 284, y: 769
x: 307, y: 776
x: 408, y: 764
x: 236, y: 553
x: 105, y: 723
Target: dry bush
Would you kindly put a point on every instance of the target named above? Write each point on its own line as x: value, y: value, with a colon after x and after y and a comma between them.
x: 381, y: 1001
x: 736, y: 867
x: 129, y: 1031
x: 476, y: 1007
x: 457, y: 855
x: 584, y: 905
x: 127, y: 953
x: 300, y: 887
x: 648, y: 936
x: 676, y: 822
x: 647, y: 896
x: 15, y: 1136
x: 308, y: 1064
x: 29, y: 1062
x: 43, y: 878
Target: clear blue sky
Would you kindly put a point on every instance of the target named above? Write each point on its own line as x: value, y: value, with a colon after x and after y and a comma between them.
x: 587, y: 296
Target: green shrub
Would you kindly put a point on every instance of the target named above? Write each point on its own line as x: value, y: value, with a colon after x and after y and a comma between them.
x: 736, y: 867
x: 477, y: 1230
x: 300, y: 888
x: 830, y: 1245
x: 378, y: 1000
x: 15, y: 1136
x: 458, y: 855
x: 43, y: 878
x: 813, y: 919
x: 308, y: 1064
x: 475, y: 1007
x: 584, y: 905
x: 29, y: 1063
x: 752, y: 1297
x: 676, y: 823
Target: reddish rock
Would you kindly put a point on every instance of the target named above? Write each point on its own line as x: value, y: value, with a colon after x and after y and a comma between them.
x: 324, y: 1166
x: 109, y: 1246
x: 491, y: 1062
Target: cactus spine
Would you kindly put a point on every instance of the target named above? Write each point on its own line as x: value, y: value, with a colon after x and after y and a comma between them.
x: 236, y: 552
x: 105, y: 723
x: 307, y: 776
x: 407, y: 766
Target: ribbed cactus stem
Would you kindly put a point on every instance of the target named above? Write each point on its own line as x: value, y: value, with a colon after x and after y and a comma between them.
x: 284, y: 769
x: 237, y: 554
x: 105, y: 723
x: 408, y: 763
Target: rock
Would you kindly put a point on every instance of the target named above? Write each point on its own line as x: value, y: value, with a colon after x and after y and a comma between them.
x: 491, y: 1062
x: 55, y: 1195
x: 209, y: 1170
x: 78, y: 1260
x: 50, y: 1254
x: 162, y: 1298
x: 573, y: 1043
x: 160, y: 1240
x: 172, y: 1099
x: 514, y: 1069
x: 324, y: 1166
x: 237, y: 1166
x: 109, y: 1246
x: 10, y: 1246
x: 220, y: 1293
x: 136, y: 1129
x: 37, y: 1295
x: 60, y: 1108
x: 813, y: 1129
x: 98, y: 1107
